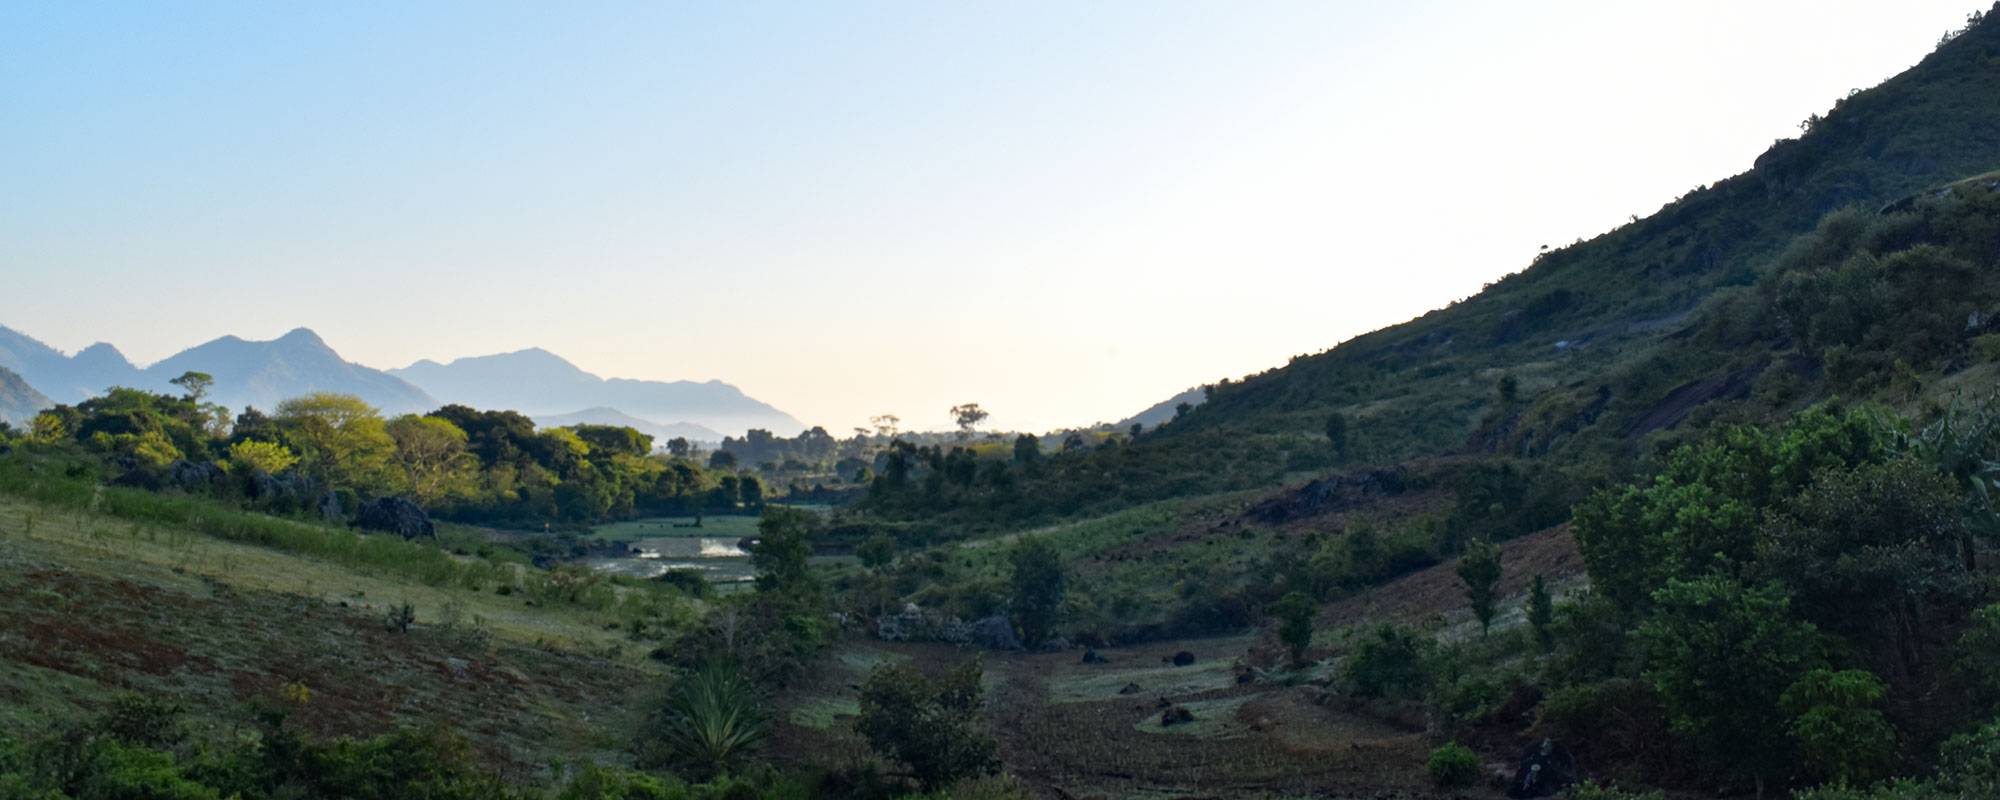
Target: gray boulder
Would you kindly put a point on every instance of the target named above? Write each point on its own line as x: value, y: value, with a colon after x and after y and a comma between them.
x: 192, y: 477
x: 995, y: 633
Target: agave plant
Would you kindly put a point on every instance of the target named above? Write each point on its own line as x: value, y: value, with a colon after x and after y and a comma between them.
x: 713, y: 719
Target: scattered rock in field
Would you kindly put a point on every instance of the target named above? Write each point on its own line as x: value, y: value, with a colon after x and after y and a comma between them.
x: 395, y: 515
x: 1090, y: 656
x: 1130, y: 688
x: 1183, y: 658
x: 1176, y: 715
x: 1163, y: 703
x: 460, y: 668
x: 995, y: 633
x: 1546, y: 769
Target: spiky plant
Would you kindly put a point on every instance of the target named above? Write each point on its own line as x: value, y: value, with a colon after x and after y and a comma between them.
x: 712, y: 719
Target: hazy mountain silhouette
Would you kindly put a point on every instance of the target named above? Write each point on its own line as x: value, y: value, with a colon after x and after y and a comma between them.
x: 263, y: 374
x: 612, y: 416
x: 539, y: 383
x: 260, y: 374
x: 65, y: 379
x: 18, y: 400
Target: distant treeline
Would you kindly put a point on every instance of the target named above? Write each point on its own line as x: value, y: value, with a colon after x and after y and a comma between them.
x: 316, y: 451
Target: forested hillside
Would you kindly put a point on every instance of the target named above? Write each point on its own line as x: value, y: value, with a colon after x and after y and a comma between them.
x: 1574, y: 336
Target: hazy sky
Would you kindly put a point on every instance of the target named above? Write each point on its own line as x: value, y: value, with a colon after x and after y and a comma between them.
x: 1065, y: 211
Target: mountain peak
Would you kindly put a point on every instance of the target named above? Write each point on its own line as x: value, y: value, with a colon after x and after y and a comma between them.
x: 302, y: 336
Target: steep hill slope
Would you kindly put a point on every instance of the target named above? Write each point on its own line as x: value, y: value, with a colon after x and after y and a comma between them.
x: 66, y: 379
x: 537, y: 382
x: 18, y: 400
x: 1577, y: 332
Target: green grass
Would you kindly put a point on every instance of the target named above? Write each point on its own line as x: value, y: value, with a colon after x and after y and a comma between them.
x: 93, y: 606
x: 716, y: 526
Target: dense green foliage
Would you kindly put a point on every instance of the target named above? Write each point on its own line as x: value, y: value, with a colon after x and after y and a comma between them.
x: 929, y: 724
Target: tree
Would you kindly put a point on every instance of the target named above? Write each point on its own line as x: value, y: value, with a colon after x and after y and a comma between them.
x: 341, y: 441
x: 1294, y: 613
x: 877, y: 551
x: 252, y: 456
x: 196, y: 384
x: 1840, y: 733
x: 1479, y: 568
x: 967, y: 417
x: 929, y: 724
x: 1541, y: 613
x: 1721, y: 655
x: 1508, y: 390
x: 1182, y: 408
x: 885, y: 425
x: 1038, y: 584
x: 679, y: 447
x: 783, y: 552
x: 1027, y: 448
x: 432, y: 454
x: 751, y: 490
x: 722, y: 459
x: 1336, y: 433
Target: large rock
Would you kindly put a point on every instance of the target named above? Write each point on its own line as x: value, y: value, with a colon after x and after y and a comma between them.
x: 1176, y: 715
x: 995, y: 633
x: 395, y: 515
x: 192, y: 477
x: 1183, y: 659
x: 1546, y: 769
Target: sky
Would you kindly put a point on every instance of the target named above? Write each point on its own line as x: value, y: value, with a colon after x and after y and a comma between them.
x: 1063, y: 211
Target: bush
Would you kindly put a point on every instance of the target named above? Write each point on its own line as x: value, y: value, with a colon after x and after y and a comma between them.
x: 1454, y: 766
x: 1389, y: 663
x: 930, y: 724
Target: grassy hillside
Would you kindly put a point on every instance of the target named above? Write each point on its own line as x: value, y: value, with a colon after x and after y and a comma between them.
x: 1576, y: 331
x: 104, y: 600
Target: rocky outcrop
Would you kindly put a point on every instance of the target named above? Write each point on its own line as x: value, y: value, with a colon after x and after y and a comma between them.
x: 395, y: 515
x: 1328, y: 495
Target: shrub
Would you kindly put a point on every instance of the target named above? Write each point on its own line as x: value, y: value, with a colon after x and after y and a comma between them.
x: 930, y: 724
x: 1454, y: 766
x: 1840, y: 734
x: 1390, y: 662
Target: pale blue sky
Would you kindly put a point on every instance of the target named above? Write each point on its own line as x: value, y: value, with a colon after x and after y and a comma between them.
x: 1063, y: 211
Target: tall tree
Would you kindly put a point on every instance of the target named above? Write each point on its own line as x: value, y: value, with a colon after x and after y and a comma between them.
x: 1541, y: 613
x: 967, y: 417
x: 1336, y: 433
x: 431, y: 453
x: 341, y: 440
x: 196, y: 384
x: 1480, y: 569
x: 1038, y: 583
x: 1294, y: 613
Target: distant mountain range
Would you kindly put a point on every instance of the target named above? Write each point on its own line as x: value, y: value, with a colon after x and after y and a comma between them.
x: 19, y: 402
x: 610, y: 416
x: 247, y: 373
x: 265, y: 373
x: 539, y: 383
